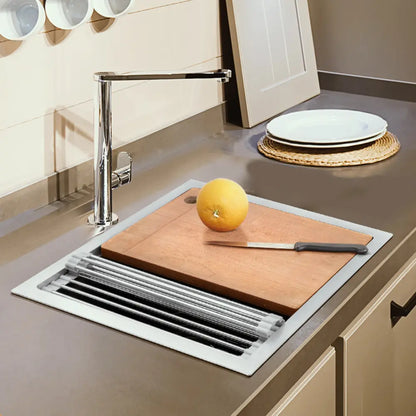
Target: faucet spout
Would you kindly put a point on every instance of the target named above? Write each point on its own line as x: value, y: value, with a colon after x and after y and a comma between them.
x: 103, y: 183
x: 221, y: 74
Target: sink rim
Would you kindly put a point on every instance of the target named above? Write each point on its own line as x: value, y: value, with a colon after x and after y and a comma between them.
x: 247, y: 365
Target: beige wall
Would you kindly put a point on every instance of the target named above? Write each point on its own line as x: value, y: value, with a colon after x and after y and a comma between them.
x: 373, y: 38
x: 47, y: 89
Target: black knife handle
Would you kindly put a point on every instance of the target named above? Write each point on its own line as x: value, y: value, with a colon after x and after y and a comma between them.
x: 333, y: 247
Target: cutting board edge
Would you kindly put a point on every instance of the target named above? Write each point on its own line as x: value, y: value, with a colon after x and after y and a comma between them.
x: 201, y: 284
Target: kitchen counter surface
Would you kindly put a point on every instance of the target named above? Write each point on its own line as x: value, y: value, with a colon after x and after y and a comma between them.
x: 53, y: 363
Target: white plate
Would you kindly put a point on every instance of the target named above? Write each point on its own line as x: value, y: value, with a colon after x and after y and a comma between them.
x: 326, y: 126
x: 328, y: 145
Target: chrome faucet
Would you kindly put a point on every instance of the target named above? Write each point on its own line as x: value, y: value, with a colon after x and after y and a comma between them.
x: 105, y: 180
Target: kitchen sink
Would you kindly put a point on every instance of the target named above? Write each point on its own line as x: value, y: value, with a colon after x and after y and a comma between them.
x: 213, y: 328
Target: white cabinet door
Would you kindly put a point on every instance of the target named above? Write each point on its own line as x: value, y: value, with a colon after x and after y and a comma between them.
x: 273, y: 54
x: 314, y: 393
x: 379, y: 359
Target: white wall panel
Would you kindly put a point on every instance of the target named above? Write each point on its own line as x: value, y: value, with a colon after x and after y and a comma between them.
x: 47, y: 82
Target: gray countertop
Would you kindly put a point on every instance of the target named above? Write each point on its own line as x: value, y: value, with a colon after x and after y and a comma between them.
x: 53, y: 363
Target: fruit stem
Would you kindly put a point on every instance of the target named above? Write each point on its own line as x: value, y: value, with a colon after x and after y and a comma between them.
x: 216, y: 213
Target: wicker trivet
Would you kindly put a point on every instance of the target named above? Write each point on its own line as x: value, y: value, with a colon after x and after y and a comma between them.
x: 381, y: 149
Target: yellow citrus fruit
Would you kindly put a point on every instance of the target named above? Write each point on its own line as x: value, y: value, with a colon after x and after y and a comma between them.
x: 222, y: 204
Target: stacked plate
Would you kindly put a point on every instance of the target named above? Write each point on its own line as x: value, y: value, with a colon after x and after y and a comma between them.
x: 326, y: 129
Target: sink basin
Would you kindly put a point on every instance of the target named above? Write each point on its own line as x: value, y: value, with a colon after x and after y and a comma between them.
x: 222, y: 331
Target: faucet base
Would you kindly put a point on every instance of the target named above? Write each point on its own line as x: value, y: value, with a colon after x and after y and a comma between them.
x: 114, y: 220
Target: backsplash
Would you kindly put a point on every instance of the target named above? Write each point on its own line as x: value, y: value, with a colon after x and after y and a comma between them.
x: 371, y: 38
x: 46, y: 110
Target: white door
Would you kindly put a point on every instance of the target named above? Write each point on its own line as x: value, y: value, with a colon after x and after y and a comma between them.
x: 273, y: 54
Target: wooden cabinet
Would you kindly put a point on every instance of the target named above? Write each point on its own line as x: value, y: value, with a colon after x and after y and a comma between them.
x: 379, y: 358
x: 371, y: 369
x: 314, y: 393
x: 274, y: 56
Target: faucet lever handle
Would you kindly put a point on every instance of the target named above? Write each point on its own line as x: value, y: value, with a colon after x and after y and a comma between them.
x: 122, y: 175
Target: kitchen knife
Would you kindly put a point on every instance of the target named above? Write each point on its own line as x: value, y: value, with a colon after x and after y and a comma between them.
x: 299, y: 246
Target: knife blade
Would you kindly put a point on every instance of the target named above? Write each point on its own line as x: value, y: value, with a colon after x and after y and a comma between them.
x: 298, y: 246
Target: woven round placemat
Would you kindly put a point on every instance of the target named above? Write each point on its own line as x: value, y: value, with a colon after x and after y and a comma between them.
x: 380, y: 149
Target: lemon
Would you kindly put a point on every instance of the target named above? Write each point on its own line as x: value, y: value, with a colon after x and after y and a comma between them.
x: 222, y: 204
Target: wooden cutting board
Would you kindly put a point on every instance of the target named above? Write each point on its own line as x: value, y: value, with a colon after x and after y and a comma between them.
x: 170, y: 242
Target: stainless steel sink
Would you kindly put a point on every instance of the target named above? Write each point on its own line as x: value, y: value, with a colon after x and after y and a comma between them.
x: 218, y: 330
